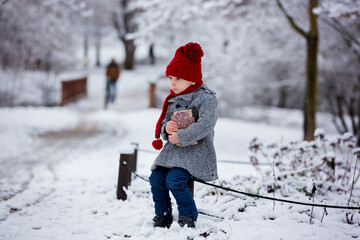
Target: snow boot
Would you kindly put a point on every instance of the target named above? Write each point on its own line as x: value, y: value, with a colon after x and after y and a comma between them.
x: 188, y: 221
x: 163, y: 221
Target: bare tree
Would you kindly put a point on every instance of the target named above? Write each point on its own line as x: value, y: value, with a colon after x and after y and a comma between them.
x: 124, y: 23
x: 343, y: 96
x: 36, y: 35
x: 312, y: 39
x: 98, y: 23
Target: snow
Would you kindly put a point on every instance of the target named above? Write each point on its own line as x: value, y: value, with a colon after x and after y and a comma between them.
x: 59, y: 171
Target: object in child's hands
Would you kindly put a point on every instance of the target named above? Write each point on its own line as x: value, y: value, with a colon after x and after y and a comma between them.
x: 184, y: 119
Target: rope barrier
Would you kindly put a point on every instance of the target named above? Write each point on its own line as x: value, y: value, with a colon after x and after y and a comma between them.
x: 241, y: 162
x: 148, y: 151
x: 137, y: 175
x: 260, y: 196
x: 223, y: 161
x: 277, y: 199
x: 244, y: 193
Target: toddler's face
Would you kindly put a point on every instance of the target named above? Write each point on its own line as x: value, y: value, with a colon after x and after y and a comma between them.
x: 178, y: 84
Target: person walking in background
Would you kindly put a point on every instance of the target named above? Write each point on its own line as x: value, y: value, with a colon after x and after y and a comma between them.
x: 112, y: 75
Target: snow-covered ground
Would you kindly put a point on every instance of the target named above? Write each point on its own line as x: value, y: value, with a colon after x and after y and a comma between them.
x: 59, y: 171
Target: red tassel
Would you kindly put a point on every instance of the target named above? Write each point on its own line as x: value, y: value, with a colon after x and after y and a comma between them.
x: 157, y: 144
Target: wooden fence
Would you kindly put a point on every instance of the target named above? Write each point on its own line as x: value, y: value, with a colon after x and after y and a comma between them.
x: 73, y: 90
x: 152, y: 96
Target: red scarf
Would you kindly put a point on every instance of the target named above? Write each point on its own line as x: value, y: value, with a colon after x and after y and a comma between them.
x: 158, y: 144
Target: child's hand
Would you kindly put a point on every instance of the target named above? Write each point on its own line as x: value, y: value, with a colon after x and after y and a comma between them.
x: 171, y: 127
x: 173, y: 138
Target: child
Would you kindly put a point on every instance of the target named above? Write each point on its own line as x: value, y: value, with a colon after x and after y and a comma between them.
x: 180, y: 158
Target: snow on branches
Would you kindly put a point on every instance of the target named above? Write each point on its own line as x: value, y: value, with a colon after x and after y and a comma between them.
x: 331, y: 164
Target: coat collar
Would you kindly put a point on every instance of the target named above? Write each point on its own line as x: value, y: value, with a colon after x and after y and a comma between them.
x: 188, y: 96
x: 185, y: 97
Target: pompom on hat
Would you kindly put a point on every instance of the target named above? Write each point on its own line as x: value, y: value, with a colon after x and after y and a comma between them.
x: 186, y: 64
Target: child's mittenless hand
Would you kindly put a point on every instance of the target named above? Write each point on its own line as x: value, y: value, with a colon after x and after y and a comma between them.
x: 171, y: 127
x: 173, y: 138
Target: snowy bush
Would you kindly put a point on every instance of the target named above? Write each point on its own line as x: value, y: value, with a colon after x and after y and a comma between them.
x: 324, y: 169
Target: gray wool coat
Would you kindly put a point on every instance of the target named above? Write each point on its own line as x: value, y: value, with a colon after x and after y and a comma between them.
x: 200, y: 159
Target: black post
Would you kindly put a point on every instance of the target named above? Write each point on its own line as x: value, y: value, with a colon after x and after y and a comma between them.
x: 123, y: 178
x: 129, y: 167
x: 134, y: 163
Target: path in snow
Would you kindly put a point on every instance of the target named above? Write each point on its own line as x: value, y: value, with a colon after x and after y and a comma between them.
x: 18, y: 171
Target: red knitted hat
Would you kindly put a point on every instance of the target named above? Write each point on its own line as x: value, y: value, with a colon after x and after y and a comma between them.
x: 186, y: 64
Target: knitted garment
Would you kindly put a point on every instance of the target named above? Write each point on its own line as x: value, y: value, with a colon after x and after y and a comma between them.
x: 186, y: 63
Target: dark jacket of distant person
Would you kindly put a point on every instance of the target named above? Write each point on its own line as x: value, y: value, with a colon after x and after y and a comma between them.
x: 113, y: 71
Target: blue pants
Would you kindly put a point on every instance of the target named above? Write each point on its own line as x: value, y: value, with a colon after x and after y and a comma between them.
x: 175, y: 179
x: 111, y: 90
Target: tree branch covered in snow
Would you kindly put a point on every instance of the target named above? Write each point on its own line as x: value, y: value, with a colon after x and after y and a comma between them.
x: 338, y: 26
x: 52, y: 25
x: 330, y: 163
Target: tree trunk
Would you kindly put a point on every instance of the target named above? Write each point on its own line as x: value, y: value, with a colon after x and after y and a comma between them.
x: 151, y: 54
x: 358, y: 133
x: 123, y: 24
x: 358, y: 113
x: 98, y: 48
x: 311, y: 74
x: 4, y: 61
x: 86, y: 50
x: 129, y: 54
x: 282, y: 97
x: 312, y: 40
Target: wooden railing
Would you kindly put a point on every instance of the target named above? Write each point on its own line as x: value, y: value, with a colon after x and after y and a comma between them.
x: 73, y: 90
x: 152, y: 96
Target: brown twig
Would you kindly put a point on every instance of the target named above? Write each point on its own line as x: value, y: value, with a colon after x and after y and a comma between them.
x: 313, y: 198
x: 324, y: 213
x: 347, y: 168
x: 274, y: 184
x: 353, y: 182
